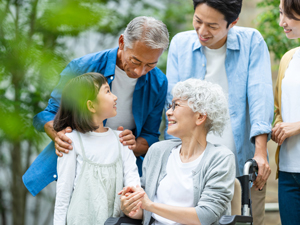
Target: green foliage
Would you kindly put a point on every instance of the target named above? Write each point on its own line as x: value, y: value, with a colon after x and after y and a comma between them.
x: 268, y: 25
x: 178, y: 16
x: 32, y: 56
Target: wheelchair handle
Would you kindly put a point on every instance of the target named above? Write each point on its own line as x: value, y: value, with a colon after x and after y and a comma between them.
x: 251, y: 169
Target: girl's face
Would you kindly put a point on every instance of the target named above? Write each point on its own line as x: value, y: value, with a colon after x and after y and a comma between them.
x: 291, y: 27
x: 105, y: 104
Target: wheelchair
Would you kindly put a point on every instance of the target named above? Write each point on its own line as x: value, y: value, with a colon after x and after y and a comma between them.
x: 241, y: 203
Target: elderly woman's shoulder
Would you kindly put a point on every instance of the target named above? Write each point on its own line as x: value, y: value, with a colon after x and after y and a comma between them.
x: 220, y: 150
x: 162, y: 146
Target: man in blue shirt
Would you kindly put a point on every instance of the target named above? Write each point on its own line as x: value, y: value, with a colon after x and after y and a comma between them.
x: 139, y: 85
x: 238, y: 60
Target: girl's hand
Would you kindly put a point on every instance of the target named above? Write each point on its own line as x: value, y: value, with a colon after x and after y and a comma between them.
x: 283, y: 131
x: 127, y: 138
x: 131, y: 200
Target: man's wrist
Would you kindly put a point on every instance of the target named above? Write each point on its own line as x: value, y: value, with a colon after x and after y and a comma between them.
x: 48, y: 127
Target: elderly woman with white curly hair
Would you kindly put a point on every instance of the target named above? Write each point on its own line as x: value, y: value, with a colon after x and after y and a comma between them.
x: 189, y: 180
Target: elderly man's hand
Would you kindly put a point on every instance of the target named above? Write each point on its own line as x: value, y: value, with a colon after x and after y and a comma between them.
x: 127, y: 138
x: 62, y: 142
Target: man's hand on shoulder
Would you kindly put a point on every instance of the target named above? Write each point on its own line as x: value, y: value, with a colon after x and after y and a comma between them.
x: 139, y: 146
x: 62, y: 142
x: 127, y: 138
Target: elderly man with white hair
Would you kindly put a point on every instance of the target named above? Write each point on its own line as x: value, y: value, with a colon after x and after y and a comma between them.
x: 186, y: 181
x: 131, y: 72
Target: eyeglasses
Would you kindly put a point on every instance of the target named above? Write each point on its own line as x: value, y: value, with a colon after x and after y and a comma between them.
x: 174, y: 104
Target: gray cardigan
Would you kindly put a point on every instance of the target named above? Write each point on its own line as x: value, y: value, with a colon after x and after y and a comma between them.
x: 213, y: 179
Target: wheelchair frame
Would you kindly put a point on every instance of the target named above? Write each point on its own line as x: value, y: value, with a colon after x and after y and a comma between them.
x: 250, y: 171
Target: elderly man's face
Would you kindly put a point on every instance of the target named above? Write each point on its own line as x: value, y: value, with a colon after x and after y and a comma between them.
x: 139, y: 60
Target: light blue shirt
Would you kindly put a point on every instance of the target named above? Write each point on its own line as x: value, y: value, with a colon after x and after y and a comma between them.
x: 248, y: 70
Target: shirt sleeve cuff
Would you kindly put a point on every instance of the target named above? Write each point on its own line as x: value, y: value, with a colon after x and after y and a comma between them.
x: 260, y: 128
x: 151, y: 139
x: 40, y: 119
x: 205, y: 216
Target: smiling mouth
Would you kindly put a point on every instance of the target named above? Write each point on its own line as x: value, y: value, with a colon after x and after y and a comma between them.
x: 171, y: 122
x: 287, y: 30
x: 203, y: 38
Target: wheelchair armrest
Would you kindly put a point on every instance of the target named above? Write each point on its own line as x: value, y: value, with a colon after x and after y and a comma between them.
x: 121, y: 220
x: 231, y: 220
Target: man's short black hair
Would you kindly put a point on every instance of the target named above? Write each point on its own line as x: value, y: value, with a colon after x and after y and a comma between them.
x: 73, y: 111
x: 229, y: 8
x: 292, y: 7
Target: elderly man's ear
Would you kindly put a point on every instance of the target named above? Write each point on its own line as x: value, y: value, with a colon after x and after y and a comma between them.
x: 121, y: 42
x: 200, y: 119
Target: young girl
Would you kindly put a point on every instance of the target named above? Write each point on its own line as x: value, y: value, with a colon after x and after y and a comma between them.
x: 91, y: 175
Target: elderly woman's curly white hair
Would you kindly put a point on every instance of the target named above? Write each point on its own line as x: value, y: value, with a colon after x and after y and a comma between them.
x: 207, y: 99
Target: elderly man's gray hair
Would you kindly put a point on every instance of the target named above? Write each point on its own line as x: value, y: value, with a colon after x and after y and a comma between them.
x: 148, y: 30
x: 207, y: 99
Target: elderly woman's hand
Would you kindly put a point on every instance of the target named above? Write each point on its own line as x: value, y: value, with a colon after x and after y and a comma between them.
x: 131, y: 200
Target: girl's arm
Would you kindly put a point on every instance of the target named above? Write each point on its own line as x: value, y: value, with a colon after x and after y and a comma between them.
x: 130, y: 170
x: 66, y: 167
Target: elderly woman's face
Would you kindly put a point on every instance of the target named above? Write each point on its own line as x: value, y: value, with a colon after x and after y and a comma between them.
x: 181, y: 118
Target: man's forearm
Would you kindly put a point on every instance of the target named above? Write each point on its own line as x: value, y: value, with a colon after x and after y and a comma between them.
x: 261, y: 145
x: 141, y: 146
x: 49, y: 130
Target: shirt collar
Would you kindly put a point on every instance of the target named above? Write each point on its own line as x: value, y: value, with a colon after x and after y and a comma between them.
x: 111, y: 62
x: 232, y: 41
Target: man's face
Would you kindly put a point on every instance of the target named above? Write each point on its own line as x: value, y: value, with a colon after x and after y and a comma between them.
x: 210, y: 26
x: 139, y: 60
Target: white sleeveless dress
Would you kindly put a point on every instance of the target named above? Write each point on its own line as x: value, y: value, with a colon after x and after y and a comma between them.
x: 95, y: 197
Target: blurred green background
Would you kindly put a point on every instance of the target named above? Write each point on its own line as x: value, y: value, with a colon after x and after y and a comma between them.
x: 37, y: 40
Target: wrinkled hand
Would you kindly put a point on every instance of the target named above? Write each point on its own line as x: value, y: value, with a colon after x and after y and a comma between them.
x: 264, y: 171
x: 62, y: 142
x: 131, y: 200
x: 127, y: 138
x: 283, y: 131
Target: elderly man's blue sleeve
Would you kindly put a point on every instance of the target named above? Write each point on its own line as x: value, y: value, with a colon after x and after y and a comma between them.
x: 50, y: 111
x: 260, y: 90
x: 150, y: 129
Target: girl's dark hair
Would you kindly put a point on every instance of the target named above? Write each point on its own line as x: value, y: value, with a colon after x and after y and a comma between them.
x: 73, y: 111
x: 292, y: 7
x: 231, y: 9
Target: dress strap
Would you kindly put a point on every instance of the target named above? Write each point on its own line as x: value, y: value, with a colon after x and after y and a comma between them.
x: 83, y: 151
x: 119, y: 145
x: 81, y: 144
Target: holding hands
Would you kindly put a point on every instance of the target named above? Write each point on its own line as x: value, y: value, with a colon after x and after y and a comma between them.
x: 133, y: 200
x: 284, y: 130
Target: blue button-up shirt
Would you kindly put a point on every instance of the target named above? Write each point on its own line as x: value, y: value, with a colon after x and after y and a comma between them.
x: 147, y: 104
x: 248, y: 70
